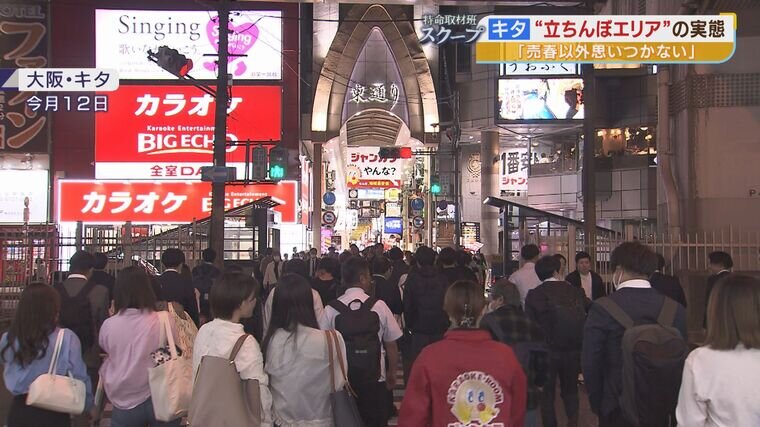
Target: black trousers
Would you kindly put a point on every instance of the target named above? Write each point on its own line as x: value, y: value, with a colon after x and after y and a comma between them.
x: 614, y: 419
x: 21, y: 415
x: 372, y: 402
x: 565, y: 366
x: 417, y: 342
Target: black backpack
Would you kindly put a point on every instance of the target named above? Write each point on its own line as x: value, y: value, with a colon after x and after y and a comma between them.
x: 653, y: 360
x: 360, y: 330
x: 567, y: 317
x: 76, y: 313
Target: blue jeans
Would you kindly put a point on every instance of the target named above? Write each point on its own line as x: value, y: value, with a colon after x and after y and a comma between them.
x: 531, y: 418
x: 141, y: 415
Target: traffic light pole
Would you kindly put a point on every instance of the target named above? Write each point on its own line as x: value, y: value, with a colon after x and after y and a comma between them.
x: 216, y: 233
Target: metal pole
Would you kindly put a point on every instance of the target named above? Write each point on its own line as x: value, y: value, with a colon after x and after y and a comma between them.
x: 589, y: 170
x: 457, y: 180
x: 216, y: 232
x: 316, y: 187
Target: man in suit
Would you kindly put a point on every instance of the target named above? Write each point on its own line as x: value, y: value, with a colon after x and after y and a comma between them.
x: 602, y: 358
x: 176, y: 288
x: 80, y: 273
x: 100, y: 275
x: 584, y: 278
x: 399, y: 267
x: 667, y: 285
x: 452, y: 270
x: 720, y: 266
x: 313, y: 261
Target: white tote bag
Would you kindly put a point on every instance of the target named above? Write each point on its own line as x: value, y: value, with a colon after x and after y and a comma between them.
x: 57, y: 392
x: 171, y: 383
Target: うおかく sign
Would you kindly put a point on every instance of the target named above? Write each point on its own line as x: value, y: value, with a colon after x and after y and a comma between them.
x: 166, y: 202
x: 167, y: 132
x: 124, y: 37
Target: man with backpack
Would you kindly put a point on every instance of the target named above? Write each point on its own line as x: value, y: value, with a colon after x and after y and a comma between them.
x: 560, y: 309
x: 203, y: 279
x: 370, y: 333
x: 634, y: 346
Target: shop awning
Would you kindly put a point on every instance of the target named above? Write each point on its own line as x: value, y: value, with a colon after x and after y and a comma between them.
x: 517, y: 210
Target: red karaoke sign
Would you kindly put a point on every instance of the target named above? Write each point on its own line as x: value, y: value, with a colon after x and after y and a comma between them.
x: 167, y: 132
x: 164, y: 202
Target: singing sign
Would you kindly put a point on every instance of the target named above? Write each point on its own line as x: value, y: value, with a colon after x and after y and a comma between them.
x: 647, y: 39
x: 167, y: 132
x: 124, y: 37
x: 365, y: 168
x: 155, y: 202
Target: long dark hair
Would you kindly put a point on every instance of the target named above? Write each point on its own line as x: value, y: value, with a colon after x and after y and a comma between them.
x: 133, y: 289
x: 36, y: 318
x: 293, y: 305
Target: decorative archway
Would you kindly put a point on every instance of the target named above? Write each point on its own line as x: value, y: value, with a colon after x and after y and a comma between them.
x: 334, y: 79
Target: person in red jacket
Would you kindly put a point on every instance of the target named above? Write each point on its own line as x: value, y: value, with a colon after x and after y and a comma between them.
x: 467, y: 379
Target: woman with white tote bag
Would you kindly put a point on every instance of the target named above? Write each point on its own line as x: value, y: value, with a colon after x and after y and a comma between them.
x: 38, y: 356
x: 130, y: 339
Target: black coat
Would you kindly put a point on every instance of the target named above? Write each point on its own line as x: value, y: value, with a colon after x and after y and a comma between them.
x: 669, y: 286
x: 424, y: 292
x: 388, y: 293
x: 457, y: 273
x: 602, y: 356
x: 597, y: 284
x: 174, y: 288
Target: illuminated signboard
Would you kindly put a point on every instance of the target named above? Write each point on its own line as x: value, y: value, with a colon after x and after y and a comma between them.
x: 123, y: 38
x: 163, y: 202
x: 167, y: 132
x: 540, y: 99
x: 514, y: 170
x: 20, y: 186
x: 393, y: 225
x: 365, y: 169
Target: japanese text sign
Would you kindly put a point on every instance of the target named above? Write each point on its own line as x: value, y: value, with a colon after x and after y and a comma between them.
x: 22, y: 190
x: 23, y: 44
x: 67, y: 80
x: 514, y: 170
x: 167, y: 202
x: 167, y: 132
x: 608, y: 38
x: 124, y: 37
x: 366, y: 169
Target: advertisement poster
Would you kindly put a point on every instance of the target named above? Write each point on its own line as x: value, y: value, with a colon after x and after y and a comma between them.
x: 124, y: 37
x: 541, y: 99
x: 23, y: 44
x: 365, y: 169
x: 170, y: 130
x: 167, y: 202
x: 514, y: 170
x: 19, y: 187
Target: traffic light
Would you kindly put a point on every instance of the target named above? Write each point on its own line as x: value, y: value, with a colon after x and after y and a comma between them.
x: 259, y: 163
x: 278, y: 163
x: 395, y: 153
x: 172, y: 61
x: 435, y: 185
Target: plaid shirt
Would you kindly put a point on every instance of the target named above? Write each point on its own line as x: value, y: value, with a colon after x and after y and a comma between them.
x: 512, y: 326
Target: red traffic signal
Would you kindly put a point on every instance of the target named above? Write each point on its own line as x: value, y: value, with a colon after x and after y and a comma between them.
x: 395, y: 153
x: 172, y: 61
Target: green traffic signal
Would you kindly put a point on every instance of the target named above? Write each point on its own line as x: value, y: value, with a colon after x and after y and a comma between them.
x: 276, y: 172
x: 435, y: 188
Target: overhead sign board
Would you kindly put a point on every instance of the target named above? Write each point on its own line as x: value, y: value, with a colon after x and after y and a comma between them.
x: 167, y: 132
x: 393, y: 225
x: 366, y: 169
x: 22, y: 187
x: 161, y: 202
x: 124, y: 37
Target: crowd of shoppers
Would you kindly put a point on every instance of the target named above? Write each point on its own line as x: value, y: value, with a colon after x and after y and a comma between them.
x: 469, y: 360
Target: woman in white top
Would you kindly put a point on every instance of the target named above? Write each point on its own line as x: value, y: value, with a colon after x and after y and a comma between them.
x: 297, y: 358
x: 720, y: 380
x: 232, y: 298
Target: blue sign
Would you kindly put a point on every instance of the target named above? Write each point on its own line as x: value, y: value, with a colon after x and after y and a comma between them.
x: 417, y: 204
x: 393, y: 225
x: 329, y: 198
x: 508, y: 29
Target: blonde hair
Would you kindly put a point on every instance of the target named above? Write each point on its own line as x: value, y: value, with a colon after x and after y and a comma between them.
x: 464, y: 303
x: 734, y: 313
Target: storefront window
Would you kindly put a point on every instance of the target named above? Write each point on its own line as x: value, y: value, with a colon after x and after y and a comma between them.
x: 626, y: 141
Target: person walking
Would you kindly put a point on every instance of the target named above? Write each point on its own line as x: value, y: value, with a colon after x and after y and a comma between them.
x: 424, y: 292
x: 383, y: 289
x: 603, y: 356
x: 452, y: 270
x: 560, y: 309
x: 232, y: 299
x: 26, y: 351
x: 467, y: 378
x: 508, y: 324
x: 666, y: 284
x: 325, y: 281
x: 719, y: 387
x: 525, y: 278
x: 84, y: 303
x: 585, y: 278
x: 176, y: 287
x: 298, y: 359
x: 370, y: 333
x: 129, y: 339
x: 203, y: 279
x: 720, y: 265
x: 100, y: 275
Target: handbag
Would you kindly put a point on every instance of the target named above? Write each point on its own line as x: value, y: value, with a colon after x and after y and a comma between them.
x: 221, y: 397
x: 186, y: 331
x: 57, y: 393
x: 345, y: 411
x: 170, y: 383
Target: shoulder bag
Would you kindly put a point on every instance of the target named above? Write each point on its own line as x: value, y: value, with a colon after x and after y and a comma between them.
x: 345, y: 411
x: 221, y: 397
x: 186, y: 331
x: 54, y: 392
x: 171, y: 383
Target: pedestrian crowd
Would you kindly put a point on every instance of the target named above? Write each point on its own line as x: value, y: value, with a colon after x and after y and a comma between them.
x: 319, y: 340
